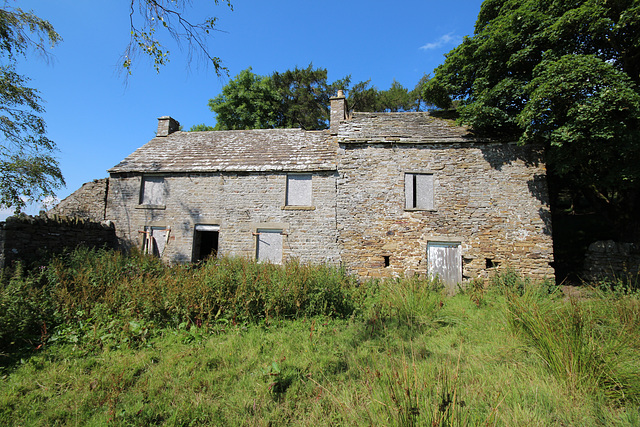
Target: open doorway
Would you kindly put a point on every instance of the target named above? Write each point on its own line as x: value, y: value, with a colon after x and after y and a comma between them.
x: 205, y: 241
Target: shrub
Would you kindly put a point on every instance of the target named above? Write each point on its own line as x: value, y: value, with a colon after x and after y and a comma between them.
x: 26, y: 309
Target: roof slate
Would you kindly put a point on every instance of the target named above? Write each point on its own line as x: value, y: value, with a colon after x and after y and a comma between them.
x: 238, y: 150
x: 401, y: 128
x: 285, y: 149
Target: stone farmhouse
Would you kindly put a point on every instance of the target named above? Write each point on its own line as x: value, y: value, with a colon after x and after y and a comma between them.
x: 383, y: 194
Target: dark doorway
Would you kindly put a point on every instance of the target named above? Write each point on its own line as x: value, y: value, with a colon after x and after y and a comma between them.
x: 205, y: 244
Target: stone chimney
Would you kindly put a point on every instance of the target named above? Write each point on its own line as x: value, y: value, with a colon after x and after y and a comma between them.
x: 338, y: 112
x: 167, y: 126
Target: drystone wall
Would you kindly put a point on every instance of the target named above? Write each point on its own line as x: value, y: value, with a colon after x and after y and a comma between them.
x: 239, y: 203
x: 490, y: 198
x: 87, y: 202
x: 28, y: 238
x: 609, y: 260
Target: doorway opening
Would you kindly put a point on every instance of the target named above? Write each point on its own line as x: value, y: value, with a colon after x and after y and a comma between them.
x: 205, y: 242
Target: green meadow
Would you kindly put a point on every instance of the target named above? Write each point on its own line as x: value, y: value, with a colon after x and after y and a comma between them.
x: 102, y: 338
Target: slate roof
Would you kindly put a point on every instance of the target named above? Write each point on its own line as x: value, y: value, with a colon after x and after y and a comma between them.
x: 285, y: 149
x: 238, y: 150
x: 399, y: 128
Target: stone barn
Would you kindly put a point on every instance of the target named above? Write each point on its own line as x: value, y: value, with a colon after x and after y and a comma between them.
x: 384, y: 194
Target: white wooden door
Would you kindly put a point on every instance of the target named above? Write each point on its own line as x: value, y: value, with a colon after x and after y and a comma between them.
x: 444, y: 260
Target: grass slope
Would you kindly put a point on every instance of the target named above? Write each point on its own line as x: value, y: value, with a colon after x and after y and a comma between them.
x: 398, y: 352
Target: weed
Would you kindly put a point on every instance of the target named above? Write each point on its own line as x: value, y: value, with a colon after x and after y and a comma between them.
x: 579, y: 343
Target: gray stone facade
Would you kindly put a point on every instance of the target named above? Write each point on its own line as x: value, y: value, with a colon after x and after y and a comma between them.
x: 384, y: 194
x: 239, y: 204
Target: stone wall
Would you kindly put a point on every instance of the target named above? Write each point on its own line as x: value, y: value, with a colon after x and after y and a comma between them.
x: 87, y: 202
x: 489, y: 197
x: 239, y: 203
x: 28, y: 238
x: 612, y: 260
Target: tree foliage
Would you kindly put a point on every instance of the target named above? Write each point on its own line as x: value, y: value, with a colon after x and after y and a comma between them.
x: 363, y: 97
x: 301, y: 98
x: 150, y: 19
x: 202, y: 127
x: 28, y: 170
x: 304, y: 97
x: 565, y: 74
x: 294, y: 98
x: 248, y: 101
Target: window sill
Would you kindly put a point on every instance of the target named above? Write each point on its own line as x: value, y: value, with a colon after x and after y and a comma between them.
x: 298, y: 208
x: 419, y: 210
x: 151, y: 207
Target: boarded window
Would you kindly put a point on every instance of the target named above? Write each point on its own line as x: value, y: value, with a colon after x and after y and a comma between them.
x: 418, y: 189
x: 154, y: 190
x: 298, y: 190
x: 155, y: 240
x: 269, y: 246
x: 444, y: 261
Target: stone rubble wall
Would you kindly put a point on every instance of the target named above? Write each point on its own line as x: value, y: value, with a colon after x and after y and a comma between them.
x: 609, y: 260
x: 88, y: 202
x: 27, y: 238
x: 239, y: 203
x: 489, y: 197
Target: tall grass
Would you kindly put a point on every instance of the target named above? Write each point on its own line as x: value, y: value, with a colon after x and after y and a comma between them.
x: 589, y: 344
x: 108, y: 289
x: 130, y: 341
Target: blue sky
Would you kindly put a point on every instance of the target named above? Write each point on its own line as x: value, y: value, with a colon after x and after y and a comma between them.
x: 97, y: 117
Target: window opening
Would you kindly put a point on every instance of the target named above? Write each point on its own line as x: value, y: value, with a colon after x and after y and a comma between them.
x: 489, y: 263
x: 419, y: 191
x: 153, y: 191
x: 387, y: 260
x: 269, y: 245
x: 299, y: 190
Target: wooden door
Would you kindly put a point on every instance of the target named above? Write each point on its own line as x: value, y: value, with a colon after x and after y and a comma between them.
x: 444, y: 261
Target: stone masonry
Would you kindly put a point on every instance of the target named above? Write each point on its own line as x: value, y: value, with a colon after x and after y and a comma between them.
x: 384, y: 194
x: 28, y: 238
x: 239, y: 203
x: 489, y: 197
x: 88, y: 202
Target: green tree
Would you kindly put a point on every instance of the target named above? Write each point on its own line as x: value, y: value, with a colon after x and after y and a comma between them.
x: 294, y: 98
x: 201, y: 128
x: 301, y: 98
x: 248, y: 101
x: 565, y: 74
x: 28, y: 170
x: 363, y: 97
x: 304, y: 97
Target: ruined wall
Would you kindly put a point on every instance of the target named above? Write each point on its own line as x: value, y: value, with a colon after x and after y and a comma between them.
x: 27, y: 238
x: 87, y: 202
x: 490, y: 197
x: 612, y: 260
x: 239, y: 203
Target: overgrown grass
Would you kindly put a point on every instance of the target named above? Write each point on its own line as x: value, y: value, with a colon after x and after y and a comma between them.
x: 130, y: 341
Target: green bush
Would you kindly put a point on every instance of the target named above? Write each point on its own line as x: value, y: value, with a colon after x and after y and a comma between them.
x: 26, y: 309
x: 239, y: 290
